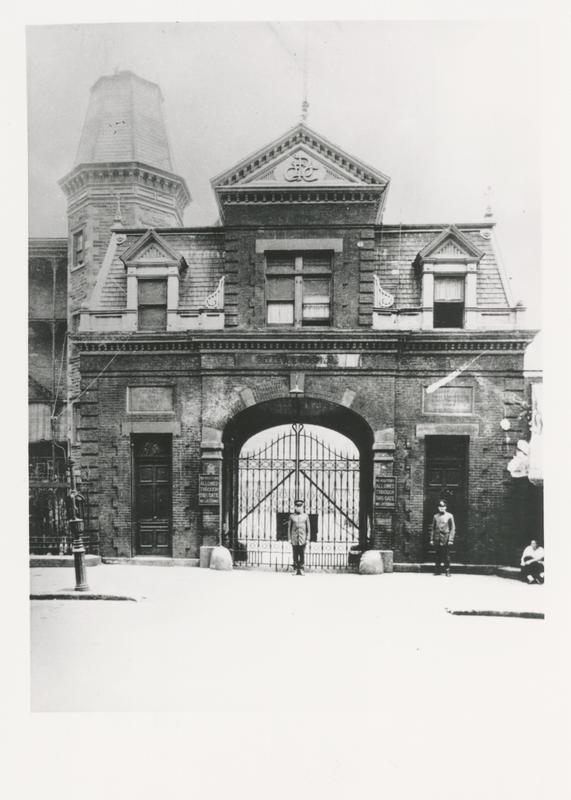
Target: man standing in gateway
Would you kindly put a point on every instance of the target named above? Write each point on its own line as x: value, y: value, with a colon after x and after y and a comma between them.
x: 298, y: 534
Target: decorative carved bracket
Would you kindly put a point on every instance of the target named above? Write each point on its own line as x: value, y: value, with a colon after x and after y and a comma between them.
x: 382, y: 298
x: 215, y: 300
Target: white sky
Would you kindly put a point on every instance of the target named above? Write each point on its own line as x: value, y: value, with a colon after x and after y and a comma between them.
x: 334, y: 439
x: 449, y: 110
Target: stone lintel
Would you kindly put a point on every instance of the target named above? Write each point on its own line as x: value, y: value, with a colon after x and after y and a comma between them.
x: 447, y: 429
x: 262, y: 245
x: 150, y: 426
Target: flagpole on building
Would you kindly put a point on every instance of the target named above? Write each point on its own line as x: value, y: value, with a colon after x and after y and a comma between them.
x: 452, y: 375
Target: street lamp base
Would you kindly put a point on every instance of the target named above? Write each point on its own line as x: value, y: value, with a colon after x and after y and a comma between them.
x: 81, y: 584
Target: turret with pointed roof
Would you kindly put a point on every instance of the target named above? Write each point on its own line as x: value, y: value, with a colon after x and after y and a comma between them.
x: 123, y: 174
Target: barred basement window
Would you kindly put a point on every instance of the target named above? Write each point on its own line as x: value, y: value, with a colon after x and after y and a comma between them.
x: 298, y: 288
x: 152, y: 305
x: 448, y: 302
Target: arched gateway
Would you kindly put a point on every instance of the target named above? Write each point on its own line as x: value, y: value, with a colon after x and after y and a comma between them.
x: 297, y: 460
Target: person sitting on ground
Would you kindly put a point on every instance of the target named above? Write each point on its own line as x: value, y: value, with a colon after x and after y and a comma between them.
x: 532, y: 566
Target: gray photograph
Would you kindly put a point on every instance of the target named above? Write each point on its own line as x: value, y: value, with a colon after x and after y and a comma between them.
x: 284, y: 314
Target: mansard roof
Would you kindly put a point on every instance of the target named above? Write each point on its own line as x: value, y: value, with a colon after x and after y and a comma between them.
x: 202, y: 250
x: 394, y: 255
x: 398, y: 248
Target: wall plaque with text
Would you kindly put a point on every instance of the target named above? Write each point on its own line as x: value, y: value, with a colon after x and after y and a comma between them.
x: 385, y: 491
x: 150, y: 399
x: 208, y: 490
x: 448, y: 400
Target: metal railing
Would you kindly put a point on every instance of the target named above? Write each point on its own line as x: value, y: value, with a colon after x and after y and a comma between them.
x: 44, y: 469
x: 49, y: 530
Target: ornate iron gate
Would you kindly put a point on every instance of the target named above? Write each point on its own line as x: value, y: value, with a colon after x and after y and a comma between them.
x: 295, y: 464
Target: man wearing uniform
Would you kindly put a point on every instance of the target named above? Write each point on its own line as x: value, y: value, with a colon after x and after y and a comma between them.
x: 441, y: 537
x: 298, y: 534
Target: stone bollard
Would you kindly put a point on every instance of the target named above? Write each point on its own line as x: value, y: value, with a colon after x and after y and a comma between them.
x: 220, y: 558
x: 205, y: 553
x: 371, y: 563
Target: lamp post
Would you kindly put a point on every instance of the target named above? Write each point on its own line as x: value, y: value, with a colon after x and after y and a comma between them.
x: 75, y: 515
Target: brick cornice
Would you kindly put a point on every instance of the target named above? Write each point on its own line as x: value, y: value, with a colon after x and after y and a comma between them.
x: 403, y: 343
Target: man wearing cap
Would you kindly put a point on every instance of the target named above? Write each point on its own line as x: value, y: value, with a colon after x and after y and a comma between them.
x: 298, y: 534
x: 441, y: 537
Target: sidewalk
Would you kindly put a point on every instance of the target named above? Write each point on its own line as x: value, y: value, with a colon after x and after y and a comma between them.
x: 459, y: 595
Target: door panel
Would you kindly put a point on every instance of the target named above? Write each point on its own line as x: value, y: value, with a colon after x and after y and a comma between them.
x: 153, y: 500
x: 446, y: 471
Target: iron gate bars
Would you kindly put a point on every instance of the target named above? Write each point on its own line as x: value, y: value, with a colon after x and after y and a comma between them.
x: 297, y: 463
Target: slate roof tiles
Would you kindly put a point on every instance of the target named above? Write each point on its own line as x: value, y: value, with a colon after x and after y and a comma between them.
x: 396, y: 250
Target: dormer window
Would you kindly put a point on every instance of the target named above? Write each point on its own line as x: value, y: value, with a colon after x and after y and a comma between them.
x: 448, y: 301
x: 449, y: 266
x: 153, y: 274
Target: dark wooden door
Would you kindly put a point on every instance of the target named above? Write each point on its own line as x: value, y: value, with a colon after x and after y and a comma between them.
x: 446, y: 471
x: 153, y: 504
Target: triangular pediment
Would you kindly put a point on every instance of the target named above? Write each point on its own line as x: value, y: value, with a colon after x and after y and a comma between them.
x: 301, y: 167
x: 151, y: 249
x: 450, y: 245
x: 301, y: 158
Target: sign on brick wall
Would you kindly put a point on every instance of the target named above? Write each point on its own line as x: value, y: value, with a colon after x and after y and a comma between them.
x: 448, y: 400
x: 150, y: 399
x: 385, y: 491
x: 208, y: 490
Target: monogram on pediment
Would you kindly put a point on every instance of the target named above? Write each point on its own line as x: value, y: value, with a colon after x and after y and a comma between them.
x: 300, y: 169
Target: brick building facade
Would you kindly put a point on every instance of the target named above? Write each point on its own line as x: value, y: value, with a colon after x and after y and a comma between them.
x: 300, y: 306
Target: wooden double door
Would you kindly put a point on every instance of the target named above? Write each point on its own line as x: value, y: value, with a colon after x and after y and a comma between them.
x: 153, y: 495
x: 446, y: 478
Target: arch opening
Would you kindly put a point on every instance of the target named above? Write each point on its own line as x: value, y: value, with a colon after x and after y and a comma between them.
x: 297, y: 448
